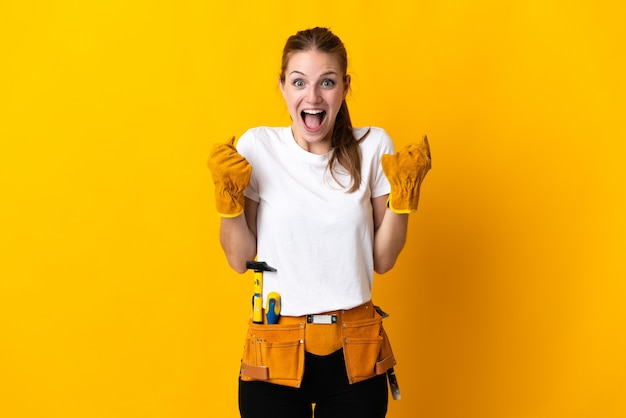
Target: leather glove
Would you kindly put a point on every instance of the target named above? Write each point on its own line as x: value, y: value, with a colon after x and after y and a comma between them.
x: 405, y: 171
x: 231, y: 175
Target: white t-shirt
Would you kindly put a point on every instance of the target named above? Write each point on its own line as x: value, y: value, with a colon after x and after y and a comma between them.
x: 318, y: 236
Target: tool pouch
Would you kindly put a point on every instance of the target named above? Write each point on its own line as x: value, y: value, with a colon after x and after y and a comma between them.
x: 366, y: 348
x: 274, y: 353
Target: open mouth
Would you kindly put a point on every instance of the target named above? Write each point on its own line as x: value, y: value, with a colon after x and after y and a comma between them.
x: 313, y: 118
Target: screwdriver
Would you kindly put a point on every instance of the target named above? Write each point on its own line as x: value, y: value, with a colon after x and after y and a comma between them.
x: 272, y: 310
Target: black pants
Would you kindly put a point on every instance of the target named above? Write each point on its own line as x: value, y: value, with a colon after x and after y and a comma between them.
x: 325, y: 384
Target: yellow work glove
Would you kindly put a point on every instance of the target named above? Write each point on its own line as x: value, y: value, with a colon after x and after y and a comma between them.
x: 231, y: 175
x: 405, y: 171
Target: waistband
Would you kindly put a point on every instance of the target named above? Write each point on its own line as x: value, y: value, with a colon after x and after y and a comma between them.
x: 364, y: 311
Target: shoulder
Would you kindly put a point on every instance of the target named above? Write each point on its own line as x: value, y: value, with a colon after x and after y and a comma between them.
x: 260, y: 136
x: 375, y: 139
x: 262, y: 133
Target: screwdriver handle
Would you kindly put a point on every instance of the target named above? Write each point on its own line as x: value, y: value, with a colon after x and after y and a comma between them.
x: 272, y: 310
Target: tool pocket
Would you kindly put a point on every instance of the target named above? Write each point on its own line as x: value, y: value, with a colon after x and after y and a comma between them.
x: 366, y: 348
x: 274, y: 353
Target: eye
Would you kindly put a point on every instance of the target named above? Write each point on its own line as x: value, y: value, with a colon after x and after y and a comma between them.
x: 298, y: 83
x: 328, y: 83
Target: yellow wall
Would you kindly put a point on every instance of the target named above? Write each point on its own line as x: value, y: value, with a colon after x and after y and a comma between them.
x: 115, y: 298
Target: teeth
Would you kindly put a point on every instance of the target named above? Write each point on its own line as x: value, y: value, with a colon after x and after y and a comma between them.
x: 312, y: 111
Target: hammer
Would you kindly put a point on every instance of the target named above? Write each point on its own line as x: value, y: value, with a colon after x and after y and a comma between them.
x: 257, y: 298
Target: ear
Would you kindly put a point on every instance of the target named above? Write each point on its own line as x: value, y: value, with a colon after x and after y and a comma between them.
x: 281, y: 85
x: 346, y: 85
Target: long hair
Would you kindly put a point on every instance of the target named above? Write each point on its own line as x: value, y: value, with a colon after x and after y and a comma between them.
x: 344, y: 145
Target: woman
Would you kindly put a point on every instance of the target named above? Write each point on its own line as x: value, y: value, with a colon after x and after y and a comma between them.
x: 326, y: 205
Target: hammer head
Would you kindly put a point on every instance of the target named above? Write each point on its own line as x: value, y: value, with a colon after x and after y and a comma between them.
x: 259, y: 266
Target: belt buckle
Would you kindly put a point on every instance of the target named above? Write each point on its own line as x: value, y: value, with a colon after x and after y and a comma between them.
x: 321, y: 319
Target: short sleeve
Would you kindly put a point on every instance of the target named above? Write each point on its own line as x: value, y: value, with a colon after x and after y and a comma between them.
x: 245, y: 147
x: 379, y: 184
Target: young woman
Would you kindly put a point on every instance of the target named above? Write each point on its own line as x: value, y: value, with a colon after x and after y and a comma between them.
x: 326, y: 205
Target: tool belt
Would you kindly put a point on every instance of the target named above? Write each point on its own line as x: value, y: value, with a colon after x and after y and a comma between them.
x: 275, y: 353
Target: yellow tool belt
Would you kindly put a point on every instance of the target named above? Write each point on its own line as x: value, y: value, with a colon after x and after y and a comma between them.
x: 275, y: 353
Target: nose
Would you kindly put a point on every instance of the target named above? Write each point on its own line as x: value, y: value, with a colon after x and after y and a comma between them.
x: 313, y: 95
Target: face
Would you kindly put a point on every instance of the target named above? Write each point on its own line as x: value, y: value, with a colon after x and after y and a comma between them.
x: 314, y: 89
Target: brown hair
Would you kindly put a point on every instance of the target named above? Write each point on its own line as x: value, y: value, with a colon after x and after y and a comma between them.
x: 345, y: 146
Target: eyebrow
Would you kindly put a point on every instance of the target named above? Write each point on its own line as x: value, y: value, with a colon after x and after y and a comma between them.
x: 330, y: 72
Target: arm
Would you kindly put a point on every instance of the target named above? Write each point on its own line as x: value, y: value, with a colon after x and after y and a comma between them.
x: 405, y: 171
x: 231, y: 175
x: 238, y: 237
x: 390, y: 230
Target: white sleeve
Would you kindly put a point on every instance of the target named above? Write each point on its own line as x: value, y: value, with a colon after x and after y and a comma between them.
x: 379, y: 184
x: 245, y: 147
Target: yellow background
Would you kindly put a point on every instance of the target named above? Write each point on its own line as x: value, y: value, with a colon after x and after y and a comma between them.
x: 115, y: 298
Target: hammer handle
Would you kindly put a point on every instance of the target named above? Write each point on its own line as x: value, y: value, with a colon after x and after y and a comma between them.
x: 257, y: 298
